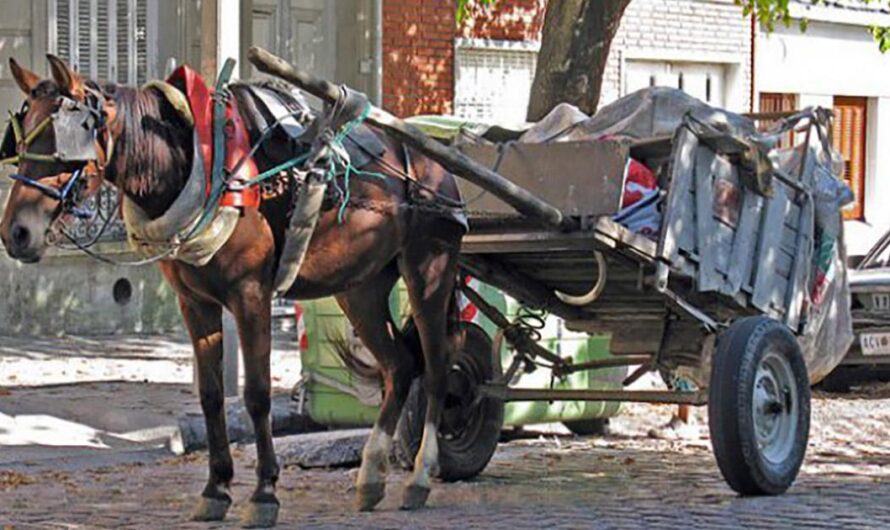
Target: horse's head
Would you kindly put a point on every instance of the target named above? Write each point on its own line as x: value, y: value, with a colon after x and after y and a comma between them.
x: 59, y: 143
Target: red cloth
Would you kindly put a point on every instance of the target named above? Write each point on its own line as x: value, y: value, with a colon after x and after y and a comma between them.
x: 638, y: 179
x: 237, y: 138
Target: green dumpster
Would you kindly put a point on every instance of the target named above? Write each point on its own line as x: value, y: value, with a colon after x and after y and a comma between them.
x: 336, y: 396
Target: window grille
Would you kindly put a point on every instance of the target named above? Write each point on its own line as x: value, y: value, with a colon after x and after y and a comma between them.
x: 493, y: 84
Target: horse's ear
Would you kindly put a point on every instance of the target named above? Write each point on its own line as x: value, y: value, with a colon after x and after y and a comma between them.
x: 69, y: 82
x: 24, y: 78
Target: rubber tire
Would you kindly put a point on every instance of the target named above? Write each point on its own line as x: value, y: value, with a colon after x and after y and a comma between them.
x: 839, y: 381
x: 738, y: 353
x: 458, y: 459
x: 589, y: 427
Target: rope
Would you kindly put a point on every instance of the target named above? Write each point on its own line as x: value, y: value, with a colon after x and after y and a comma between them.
x: 265, y: 175
x: 349, y: 169
x: 89, y: 252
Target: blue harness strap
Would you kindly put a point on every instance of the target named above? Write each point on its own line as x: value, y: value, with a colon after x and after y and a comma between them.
x: 217, y: 178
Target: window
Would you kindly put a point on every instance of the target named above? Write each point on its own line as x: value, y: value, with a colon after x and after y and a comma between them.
x: 102, y: 39
x: 850, y: 118
x: 493, y: 81
x: 705, y: 81
x: 771, y: 102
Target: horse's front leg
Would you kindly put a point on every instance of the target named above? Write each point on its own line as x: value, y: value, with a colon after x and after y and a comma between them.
x: 251, y: 305
x: 205, y: 328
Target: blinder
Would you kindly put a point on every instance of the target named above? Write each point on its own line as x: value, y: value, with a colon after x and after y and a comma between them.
x: 75, y: 126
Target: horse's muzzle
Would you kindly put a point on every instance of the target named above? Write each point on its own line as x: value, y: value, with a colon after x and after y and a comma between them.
x: 20, y: 244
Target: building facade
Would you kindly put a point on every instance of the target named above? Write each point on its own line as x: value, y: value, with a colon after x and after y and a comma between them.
x: 836, y: 64
x: 701, y: 46
x: 130, y: 42
x: 69, y: 292
x: 705, y: 47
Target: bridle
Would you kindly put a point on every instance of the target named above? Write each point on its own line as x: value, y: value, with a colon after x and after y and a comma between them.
x: 81, y: 129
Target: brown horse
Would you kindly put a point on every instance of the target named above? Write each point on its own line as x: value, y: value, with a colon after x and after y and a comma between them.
x: 357, y: 259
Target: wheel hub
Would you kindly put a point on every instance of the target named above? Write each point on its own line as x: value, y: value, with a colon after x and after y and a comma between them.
x: 774, y: 413
x: 461, y: 402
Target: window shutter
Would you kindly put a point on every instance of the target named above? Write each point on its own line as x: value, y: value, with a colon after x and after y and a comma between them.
x: 850, y: 119
x: 104, y: 40
x: 140, y: 41
x: 63, y: 29
x: 83, y: 60
x: 774, y: 102
x: 123, y: 41
x: 100, y: 43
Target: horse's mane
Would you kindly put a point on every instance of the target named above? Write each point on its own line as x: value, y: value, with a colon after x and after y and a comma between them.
x: 152, y: 157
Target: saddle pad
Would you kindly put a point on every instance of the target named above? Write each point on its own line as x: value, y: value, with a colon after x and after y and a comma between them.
x: 271, y: 102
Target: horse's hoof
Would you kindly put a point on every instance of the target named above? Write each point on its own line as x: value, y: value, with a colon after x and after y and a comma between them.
x: 414, y: 497
x: 210, y: 509
x: 259, y: 515
x: 368, y: 496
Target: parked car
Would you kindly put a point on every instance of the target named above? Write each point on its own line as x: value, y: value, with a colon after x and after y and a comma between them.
x: 869, y: 356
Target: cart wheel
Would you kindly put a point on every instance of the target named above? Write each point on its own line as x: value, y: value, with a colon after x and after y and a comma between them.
x: 590, y: 427
x: 470, y: 427
x: 759, y: 406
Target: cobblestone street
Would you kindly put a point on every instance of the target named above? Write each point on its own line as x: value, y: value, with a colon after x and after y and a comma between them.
x: 625, y: 480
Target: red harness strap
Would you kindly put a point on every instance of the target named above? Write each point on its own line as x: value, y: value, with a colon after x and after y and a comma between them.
x: 237, y: 138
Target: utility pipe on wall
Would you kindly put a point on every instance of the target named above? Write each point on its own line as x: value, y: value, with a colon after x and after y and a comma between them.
x: 377, y: 75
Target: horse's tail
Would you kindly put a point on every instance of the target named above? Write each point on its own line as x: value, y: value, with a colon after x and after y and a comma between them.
x: 368, y: 373
x: 371, y: 373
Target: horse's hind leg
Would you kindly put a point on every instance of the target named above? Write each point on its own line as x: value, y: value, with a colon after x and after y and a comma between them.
x: 429, y: 266
x: 367, y: 308
x: 205, y: 328
x: 251, y: 304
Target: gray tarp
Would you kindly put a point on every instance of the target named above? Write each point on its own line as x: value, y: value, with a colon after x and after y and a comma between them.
x: 647, y: 113
x: 828, y: 329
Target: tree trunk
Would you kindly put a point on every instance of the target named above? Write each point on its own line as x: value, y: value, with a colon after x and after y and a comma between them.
x: 575, y: 46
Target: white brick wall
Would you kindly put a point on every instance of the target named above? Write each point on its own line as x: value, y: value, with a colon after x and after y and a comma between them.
x: 684, y: 31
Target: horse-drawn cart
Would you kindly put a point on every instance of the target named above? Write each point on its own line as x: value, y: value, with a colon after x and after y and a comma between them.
x: 733, y: 292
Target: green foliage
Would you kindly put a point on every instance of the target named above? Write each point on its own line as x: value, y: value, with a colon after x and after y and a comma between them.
x: 772, y: 12
x: 882, y: 37
x: 463, y: 7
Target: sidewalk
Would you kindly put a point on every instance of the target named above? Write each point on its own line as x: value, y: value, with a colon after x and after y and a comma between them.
x: 78, y: 402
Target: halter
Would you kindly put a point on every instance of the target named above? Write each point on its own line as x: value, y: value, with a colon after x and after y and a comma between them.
x: 78, y: 127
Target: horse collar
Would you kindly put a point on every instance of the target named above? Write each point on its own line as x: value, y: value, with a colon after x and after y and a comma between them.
x: 236, y: 145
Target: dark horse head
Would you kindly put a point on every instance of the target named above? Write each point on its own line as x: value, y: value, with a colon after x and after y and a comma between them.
x: 67, y: 139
